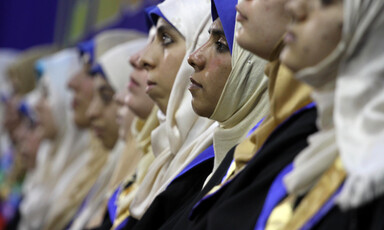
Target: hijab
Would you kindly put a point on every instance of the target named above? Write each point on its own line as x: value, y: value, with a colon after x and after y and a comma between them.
x: 286, y: 96
x: 90, y: 51
x: 53, y: 154
x: 22, y: 70
x: 359, y: 99
x: 347, y: 122
x: 114, y: 66
x: 181, y: 135
x: 244, y: 100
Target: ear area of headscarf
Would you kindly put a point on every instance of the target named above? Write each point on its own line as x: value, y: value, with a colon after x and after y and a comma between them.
x: 226, y: 11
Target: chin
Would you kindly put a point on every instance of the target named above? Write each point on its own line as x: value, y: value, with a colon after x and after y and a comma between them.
x: 199, y: 111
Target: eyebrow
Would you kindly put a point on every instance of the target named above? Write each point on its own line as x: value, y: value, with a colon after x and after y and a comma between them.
x: 164, y: 28
x: 105, y: 89
x: 216, y: 32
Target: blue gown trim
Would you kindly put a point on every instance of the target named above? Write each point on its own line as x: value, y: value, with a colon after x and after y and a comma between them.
x: 207, y: 154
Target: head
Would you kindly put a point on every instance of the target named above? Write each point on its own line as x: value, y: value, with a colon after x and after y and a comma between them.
x: 30, y: 142
x: 81, y: 85
x: 135, y: 96
x: 263, y: 24
x: 46, y: 126
x: 12, y: 117
x: 102, y: 112
x: 212, y: 65
x: 314, y: 32
x: 162, y: 59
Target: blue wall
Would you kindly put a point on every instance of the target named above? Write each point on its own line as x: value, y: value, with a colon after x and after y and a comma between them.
x: 25, y: 23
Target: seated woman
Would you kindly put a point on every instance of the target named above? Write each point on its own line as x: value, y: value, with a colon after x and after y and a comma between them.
x: 55, y: 128
x: 145, y: 121
x: 234, y: 95
x: 182, y: 136
x: 110, y: 76
x: 336, y: 182
x: 234, y: 195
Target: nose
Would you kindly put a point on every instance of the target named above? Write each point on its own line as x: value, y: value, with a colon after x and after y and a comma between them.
x: 93, y: 111
x: 73, y: 81
x: 197, y: 59
x: 134, y: 60
x: 146, y: 60
x: 119, y: 98
x: 297, y: 9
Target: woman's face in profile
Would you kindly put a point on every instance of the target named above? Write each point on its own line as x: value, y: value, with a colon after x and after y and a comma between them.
x: 212, y: 65
x: 46, y: 122
x: 103, y: 112
x: 263, y: 23
x: 162, y: 59
x: 314, y: 33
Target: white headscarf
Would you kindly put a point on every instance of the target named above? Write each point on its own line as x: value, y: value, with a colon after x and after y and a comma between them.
x: 347, y: 109
x: 116, y: 67
x: 53, y: 155
x: 359, y: 103
x: 6, y: 58
x: 243, y: 102
x: 182, y: 135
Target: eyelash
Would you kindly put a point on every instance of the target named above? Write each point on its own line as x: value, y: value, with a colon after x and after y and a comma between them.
x: 326, y: 2
x: 166, y: 39
x: 221, y: 47
x: 106, y: 98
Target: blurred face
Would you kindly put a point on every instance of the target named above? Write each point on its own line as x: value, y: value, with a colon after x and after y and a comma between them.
x: 124, y: 117
x: 314, y: 32
x: 46, y: 124
x: 11, y: 116
x: 263, y: 25
x: 162, y: 59
x: 102, y: 113
x: 135, y: 96
x: 212, y: 64
x: 30, y: 144
x: 82, y: 86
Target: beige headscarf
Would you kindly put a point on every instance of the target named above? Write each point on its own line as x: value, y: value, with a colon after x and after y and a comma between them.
x: 52, y: 154
x: 344, y: 93
x: 182, y: 135
x: 22, y: 70
x: 243, y: 102
x: 116, y: 67
x: 286, y: 95
x: 141, y: 132
x: 359, y: 99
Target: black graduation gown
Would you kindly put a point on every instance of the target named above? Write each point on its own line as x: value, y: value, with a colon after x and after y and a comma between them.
x: 367, y: 217
x: 180, y: 191
x: 238, y: 204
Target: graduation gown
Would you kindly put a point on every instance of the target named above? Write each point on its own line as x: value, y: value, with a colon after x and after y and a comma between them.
x: 238, y: 203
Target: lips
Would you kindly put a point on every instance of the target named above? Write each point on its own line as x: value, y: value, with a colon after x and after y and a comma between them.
x: 240, y: 16
x: 133, y: 83
x: 289, y: 37
x: 150, y: 85
x: 194, y: 85
x: 98, y: 130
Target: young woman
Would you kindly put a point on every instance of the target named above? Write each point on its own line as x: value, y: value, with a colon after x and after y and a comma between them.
x: 182, y: 135
x: 234, y: 195
x: 335, y: 178
x: 55, y: 128
x: 110, y: 76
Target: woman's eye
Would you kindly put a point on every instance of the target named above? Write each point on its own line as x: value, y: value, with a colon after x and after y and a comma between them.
x: 107, y: 98
x: 166, y: 39
x: 326, y: 2
x: 221, y: 47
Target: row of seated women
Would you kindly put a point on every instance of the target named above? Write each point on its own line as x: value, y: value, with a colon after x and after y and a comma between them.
x: 230, y: 115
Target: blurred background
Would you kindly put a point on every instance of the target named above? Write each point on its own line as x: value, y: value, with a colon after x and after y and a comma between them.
x: 26, y: 23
